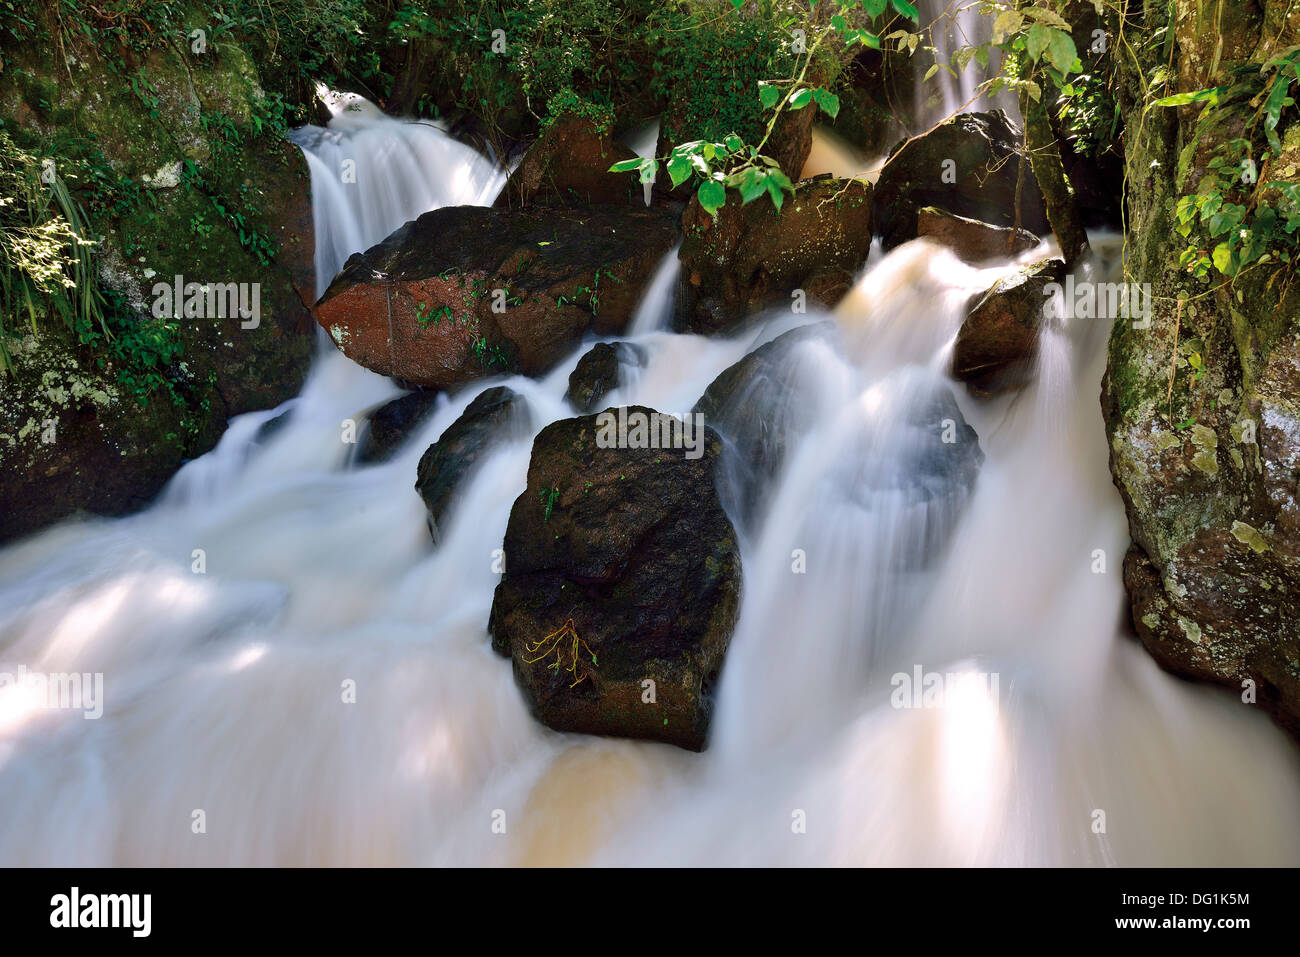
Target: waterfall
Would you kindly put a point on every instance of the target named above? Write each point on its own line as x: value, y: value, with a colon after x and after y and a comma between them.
x: 950, y: 25
x: 655, y: 311
x: 284, y: 650
x: 371, y: 173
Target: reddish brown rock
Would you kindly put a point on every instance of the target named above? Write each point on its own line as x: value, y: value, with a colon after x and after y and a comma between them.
x: 570, y: 163
x: 467, y: 291
x: 998, y: 343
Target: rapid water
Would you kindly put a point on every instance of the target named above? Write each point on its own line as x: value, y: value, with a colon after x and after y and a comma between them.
x: 226, y: 688
x: 371, y: 173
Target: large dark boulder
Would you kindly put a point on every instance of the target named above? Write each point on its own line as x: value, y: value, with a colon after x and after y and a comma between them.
x: 632, y: 548
x: 998, y: 343
x: 423, y: 305
x: 751, y: 257
x: 496, y: 414
x: 969, y: 166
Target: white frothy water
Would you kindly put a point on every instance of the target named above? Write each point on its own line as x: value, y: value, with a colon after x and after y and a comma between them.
x: 225, y: 690
x: 655, y: 310
x: 371, y: 173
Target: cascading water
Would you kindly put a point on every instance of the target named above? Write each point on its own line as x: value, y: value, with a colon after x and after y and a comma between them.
x: 950, y: 25
x: 371, y: 173
x: 225, y: 690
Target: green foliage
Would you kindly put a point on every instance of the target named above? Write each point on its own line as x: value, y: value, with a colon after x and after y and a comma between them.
x: 1239, y: 217
x: 46, y: 269
x: 732, y: 157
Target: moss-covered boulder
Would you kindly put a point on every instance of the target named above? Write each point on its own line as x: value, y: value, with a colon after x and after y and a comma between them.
x: 173, y: 155
x: 621, y: 585
x: 1202, y: 397
x: 751, y: 256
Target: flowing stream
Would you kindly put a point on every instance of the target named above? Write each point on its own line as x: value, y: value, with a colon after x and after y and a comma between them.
x: 230, y: 619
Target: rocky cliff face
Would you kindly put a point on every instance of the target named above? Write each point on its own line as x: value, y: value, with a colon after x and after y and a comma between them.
x: 1202, y: 404
x: 179, y: 177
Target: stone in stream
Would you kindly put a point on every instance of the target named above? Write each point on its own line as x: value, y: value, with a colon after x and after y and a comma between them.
x: 911, y: 460
x: 597, y: 373
x: 998, y: 342
x: 570, y: 162
x: 757, y: 406
x: 750, y: 257
x: 621, y: 585
x: 389, y: 426
x: 969, y: 166
x: 973, y: 241
x: 466, y: 291
x: 496, y: 414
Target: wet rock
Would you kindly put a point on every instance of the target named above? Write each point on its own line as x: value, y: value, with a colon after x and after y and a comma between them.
x: 910, y: 462
x: 467, y: 291
x: 969, y: 166
x: 390, y: 426
x: 759, y: 407
x: 1202, y: 402
x: 998, y: 343
x: 569, y: 163
x: 495, y: 415
x: 750, y: 257
x: 632, y: 548
x: 970, y: 239
x: 597, y: 373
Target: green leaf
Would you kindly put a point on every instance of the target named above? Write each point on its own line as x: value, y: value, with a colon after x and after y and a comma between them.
x: 774, y: 191
x: 869, y: 39
x: 838, y: 23
x: 737, y: 3
x: 874, y: 8
x: 649, y: 167
x: 801, y: 99
x: 768, y: 93
x: 1061, y: 51
x: 712, y: 195
x: 752, y: 184
x: 827, y: 101
x: 906, y: 9
x: 733, y: 142
x: 1223, y: 258
x: 679, y: 170
x: 1037, y: 40
x: 626, y: 166
x: 1209, y: 95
